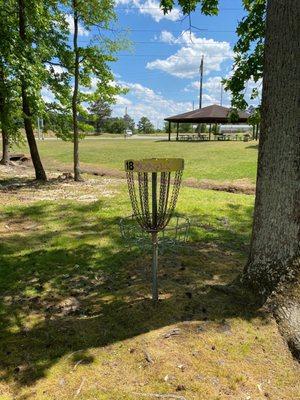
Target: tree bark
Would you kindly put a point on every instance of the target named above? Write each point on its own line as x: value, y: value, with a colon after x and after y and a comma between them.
x: 38, y: 166
x: 3, y: 119
x: 274, y: 260
x: 77, y: 176
x: 5, y: 148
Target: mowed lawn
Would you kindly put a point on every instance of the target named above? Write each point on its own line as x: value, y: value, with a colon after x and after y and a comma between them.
x: 218, y: 161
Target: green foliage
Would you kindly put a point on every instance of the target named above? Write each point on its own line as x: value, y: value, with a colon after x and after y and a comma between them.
x: 99, y: 111
x: 145, y: 125
x: 129, y: 121
x: 248, y: 61
x: 95, y: 78
x: 59, y: 122
x: 215, y: 129
x: 233, y: 115
x: 255, y: 117
x: 115, y: 125
x: 208, y: 7
x: 185, y: 128
x: 9, y: 91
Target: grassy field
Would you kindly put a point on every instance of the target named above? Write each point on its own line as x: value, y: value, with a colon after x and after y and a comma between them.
x: 76, y: 319
x: 207, y: 160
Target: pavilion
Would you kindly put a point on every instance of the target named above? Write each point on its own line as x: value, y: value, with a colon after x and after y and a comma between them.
x: 213, y: 114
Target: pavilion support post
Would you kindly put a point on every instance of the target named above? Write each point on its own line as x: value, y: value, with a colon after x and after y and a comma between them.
x: 257, y: 132
x: 253, y: 132
x: 169, y: 131
x: 209, y: 132
x: 177, y: 131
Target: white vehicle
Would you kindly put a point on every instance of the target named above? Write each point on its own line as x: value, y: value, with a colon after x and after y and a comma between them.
x: 128, y: 132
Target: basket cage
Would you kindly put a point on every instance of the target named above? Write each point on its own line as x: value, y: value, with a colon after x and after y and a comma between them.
x: 175, y: 234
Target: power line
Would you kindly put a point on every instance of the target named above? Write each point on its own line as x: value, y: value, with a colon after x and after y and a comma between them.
x: 158, y: 55
x: 158, y: 8
x: 162, y: 42
x: 129, y: 30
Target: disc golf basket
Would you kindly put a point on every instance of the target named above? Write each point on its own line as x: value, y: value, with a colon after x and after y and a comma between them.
x: 153, y: 199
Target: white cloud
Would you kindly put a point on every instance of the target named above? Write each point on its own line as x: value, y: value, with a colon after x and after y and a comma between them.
x: 151, y: 8
x: 212, y: 88
x: 47, y: 95
x: 81, y: 30
x: 146, y: 102
x: 166, y: 37
x: 185, y: 62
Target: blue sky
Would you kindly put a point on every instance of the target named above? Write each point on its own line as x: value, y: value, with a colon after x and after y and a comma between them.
x: 162, y: 68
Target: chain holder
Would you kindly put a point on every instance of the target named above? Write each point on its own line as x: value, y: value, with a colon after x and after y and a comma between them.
x: 152, y: 198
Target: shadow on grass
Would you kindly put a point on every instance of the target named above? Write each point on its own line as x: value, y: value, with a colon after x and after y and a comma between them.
x: 70, y: 287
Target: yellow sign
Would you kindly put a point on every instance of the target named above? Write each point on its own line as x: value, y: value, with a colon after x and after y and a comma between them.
x: 155, y: 165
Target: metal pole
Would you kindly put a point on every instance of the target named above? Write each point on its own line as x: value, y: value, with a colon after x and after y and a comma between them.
x: 169, y: 131
x: 154, y: 266
x: 201, y: 81
x: 38, y: 127
x: 221, y: 100
x: 42, y: 128
x: 154, y: 238
x: 177, y: 131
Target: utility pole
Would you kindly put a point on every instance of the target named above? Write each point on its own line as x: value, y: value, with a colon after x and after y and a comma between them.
x: 201, y: 81
x: 221, y: 100
x: 193, y: 105
x: 38, y: 128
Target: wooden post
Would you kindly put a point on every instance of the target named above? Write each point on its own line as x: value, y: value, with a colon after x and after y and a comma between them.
x: 169, y: 131
x: 177, y: 131
x: 209, y: 131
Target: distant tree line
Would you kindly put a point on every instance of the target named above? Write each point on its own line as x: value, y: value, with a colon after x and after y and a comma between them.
x: 96, y: 120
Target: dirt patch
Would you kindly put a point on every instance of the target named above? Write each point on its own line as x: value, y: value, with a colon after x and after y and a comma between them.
x: 243, y: 186
x: 18, y: 184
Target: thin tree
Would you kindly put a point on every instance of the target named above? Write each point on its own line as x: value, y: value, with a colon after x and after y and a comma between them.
x: 3, y: 118
x: 88, y: 63
x: 75, y: 93
x: 27, y: 112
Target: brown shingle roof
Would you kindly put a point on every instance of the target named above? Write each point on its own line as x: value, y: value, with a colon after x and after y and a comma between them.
x: 210, y: 114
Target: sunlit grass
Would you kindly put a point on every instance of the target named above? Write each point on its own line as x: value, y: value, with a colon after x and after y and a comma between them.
x: 203, y: 160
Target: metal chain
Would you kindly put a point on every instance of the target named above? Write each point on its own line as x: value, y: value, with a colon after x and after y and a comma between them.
x: 140, y: 200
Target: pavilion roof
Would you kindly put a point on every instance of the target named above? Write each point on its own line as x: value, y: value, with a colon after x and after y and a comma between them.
x: 210, y: 114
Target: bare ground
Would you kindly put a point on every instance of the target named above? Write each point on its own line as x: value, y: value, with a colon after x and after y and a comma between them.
x: 243, y: 186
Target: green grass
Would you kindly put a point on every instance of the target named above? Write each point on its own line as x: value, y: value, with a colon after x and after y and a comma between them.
x: 208, y: 160
x: 52, y: 252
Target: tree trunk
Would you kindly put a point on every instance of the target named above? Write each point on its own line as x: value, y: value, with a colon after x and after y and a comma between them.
x: 77, y: 176
x: 5, y: 148
x: 39, y: 169
x: 274, y: 259
x: 3, y: 119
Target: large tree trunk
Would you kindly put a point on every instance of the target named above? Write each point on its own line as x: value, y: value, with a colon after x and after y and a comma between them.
x: 39, y: 169
x: 275, y: 251
x: 75, y: 97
